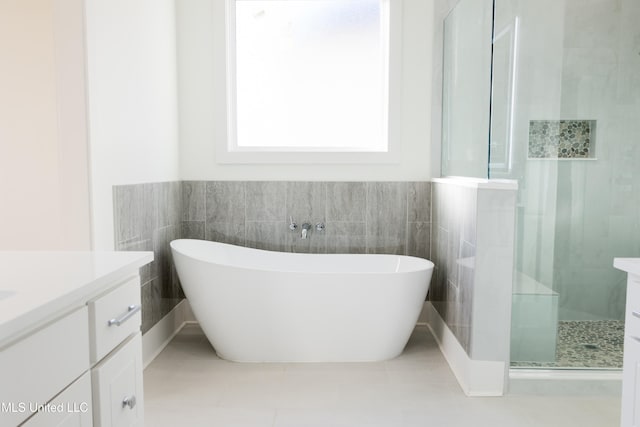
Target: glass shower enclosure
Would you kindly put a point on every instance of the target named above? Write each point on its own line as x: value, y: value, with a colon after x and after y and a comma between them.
x: 547, y: 92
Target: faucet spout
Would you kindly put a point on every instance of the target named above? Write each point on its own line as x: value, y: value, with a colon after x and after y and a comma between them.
x: 305, y: 229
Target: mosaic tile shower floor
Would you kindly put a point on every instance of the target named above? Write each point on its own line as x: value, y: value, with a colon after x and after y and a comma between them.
x: 586, y: 344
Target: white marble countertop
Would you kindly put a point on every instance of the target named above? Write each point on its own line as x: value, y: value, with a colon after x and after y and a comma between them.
x: 35, y: 287
x: 630, y: 265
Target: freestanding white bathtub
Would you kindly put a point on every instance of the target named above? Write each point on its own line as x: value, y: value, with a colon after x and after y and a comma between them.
x: 262, y: 306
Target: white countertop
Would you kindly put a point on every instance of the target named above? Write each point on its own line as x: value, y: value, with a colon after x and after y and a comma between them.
x: 38, y: 286
x: 630, y: 265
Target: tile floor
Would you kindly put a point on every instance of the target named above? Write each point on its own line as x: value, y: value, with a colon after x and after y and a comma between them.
x: 187, y: 385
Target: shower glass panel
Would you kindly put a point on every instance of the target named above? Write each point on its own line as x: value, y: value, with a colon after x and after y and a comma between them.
x: 565, y: 123
x: 466, y: 89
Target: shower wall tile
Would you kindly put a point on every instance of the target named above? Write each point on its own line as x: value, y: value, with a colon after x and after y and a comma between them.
x: 194, y: 201
x: 265, y: 201
x: 386, y: 217
x: 346, y: 201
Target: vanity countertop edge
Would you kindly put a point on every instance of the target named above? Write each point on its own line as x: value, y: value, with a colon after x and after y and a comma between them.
x: 37, y: 287
x: 629, y: 265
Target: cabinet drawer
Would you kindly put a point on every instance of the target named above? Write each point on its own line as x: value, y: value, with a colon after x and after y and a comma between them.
x: 113, y: 317
x: 71, y: 408
x: 37, y: 367
x: 117, y: 387
x: 631, y: 383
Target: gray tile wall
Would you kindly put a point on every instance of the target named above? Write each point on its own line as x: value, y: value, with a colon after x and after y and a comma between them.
x: 360, y: 217
x: 472, y: 249
x: 146, y: 218
x: 453, y: 253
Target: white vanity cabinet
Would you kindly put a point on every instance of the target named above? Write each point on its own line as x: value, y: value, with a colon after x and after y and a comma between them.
x: 116, y: 350
x: 71, y: 408
x: 630, y: 416
x: 70, y: 342
x: 36, y: 368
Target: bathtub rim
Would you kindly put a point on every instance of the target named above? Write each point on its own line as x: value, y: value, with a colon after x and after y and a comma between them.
x: 423, y: 263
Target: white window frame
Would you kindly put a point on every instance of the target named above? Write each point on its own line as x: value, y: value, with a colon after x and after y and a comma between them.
x: 227, y: 150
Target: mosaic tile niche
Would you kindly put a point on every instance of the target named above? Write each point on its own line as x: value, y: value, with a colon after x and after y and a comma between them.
x: 561, y: 139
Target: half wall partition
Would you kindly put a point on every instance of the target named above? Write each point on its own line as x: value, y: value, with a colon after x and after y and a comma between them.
x: 547, y: 93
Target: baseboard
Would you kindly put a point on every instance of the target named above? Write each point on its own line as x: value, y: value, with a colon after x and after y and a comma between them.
x: 476, y: 377
x: 157, y: 338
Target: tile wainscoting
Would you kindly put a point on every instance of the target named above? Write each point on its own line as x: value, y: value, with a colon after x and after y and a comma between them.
x: 473, y: 240
x: 359, y: 217
x: 147, y: 218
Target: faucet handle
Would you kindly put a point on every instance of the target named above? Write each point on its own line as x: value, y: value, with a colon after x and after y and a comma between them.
x: 292, y: 225
x: 320, y: 226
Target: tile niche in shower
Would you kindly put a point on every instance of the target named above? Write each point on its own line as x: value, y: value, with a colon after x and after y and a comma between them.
x: 562, y: 139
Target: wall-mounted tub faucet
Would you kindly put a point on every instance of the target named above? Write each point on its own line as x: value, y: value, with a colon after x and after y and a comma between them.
x: 305, y: 228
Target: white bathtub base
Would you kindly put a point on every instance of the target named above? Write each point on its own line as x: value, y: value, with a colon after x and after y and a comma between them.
x: 263, y: 306
x: 476, y: 377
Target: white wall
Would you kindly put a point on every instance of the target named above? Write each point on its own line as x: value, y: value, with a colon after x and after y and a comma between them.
x: 201, y: 59
x: 43, y: 155
x: 131, y: 62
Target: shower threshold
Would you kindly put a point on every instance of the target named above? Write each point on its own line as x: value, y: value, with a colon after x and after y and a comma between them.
x: 578, y: 382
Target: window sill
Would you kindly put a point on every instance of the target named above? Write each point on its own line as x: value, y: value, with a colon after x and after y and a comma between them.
x: 306, y: 157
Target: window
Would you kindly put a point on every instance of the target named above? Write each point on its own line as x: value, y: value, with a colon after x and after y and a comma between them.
x: 307, y: 76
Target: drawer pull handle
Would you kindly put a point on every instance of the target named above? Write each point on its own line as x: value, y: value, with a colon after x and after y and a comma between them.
x: 635, y: 338
x: 129, y: 401
x: 132, y: 309
x: 635, y: 314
